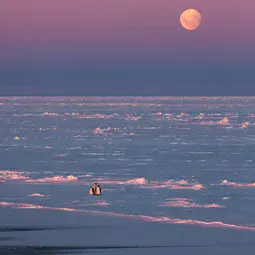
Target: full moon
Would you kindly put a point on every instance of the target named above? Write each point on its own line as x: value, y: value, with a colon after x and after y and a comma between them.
x: 190, y: 19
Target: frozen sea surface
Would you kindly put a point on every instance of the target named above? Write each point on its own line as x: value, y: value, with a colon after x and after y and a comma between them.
x: 177, y: 175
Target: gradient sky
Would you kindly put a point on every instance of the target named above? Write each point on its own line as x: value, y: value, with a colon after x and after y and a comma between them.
x: 126, y: 47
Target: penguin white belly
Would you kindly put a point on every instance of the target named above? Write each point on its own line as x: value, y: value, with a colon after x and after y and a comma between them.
x: 91, y: 191
x: 98, y: 191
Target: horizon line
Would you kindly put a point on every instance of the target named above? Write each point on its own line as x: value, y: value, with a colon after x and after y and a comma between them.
x: 135, y: 96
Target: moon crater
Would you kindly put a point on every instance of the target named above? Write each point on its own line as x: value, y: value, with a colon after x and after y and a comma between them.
x: 190, y: 19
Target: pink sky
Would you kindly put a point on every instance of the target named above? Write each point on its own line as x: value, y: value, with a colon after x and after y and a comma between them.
x: 47, y: 43
x: 140, y: 30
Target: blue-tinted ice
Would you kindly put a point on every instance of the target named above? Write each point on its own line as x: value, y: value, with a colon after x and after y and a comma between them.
x: 175, y: 161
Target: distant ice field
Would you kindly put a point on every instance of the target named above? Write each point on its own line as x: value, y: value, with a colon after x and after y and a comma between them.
x: 167, y: 160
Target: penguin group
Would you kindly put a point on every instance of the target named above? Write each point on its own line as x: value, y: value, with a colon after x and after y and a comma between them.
x: 95, y: 190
